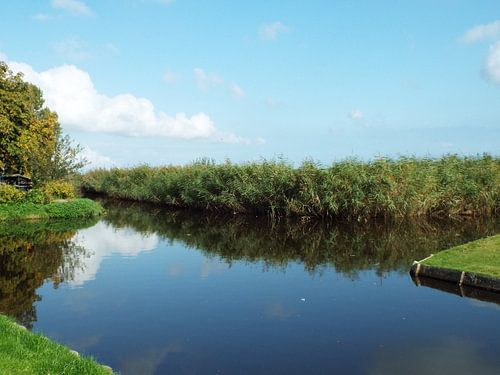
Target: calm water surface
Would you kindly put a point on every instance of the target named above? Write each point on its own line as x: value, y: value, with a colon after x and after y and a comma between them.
x: 148, y: 291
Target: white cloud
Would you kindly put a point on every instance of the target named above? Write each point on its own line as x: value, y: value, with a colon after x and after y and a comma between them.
x: 271, y: 31
x: 236, y: 90
x: 355, y: 114
x: 206, y: 80
x: 102, y: 241
x: 71, y: 93
x: 481, y: 32
x: 71, y: 49
x: 73, y: 6
x: 96, y: 159
x: 170, y: 77
x: 492, y: 64
x: 233, y: 139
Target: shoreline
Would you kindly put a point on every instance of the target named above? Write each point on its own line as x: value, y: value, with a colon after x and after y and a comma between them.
x: 475, y: 264
x: 28, y: 352
x: 62, y: 209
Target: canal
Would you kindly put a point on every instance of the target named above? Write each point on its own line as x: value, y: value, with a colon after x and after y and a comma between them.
x: 149, y: 291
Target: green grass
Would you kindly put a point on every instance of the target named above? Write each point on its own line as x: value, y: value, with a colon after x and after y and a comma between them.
x: 354, y: 189
x: 23, y: 352
x: 481, y: 257
x: 31, y: 229
x: 69, y: 209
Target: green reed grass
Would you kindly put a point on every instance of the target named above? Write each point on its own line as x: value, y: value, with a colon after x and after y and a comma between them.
x: 407, y: 186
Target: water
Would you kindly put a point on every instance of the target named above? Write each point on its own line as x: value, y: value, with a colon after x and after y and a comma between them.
x: 148, y: 291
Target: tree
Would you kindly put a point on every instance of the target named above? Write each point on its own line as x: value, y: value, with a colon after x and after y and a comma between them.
x: 31, y: 139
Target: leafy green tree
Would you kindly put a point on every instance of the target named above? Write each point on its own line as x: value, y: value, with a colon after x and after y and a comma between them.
x: 31, y: 139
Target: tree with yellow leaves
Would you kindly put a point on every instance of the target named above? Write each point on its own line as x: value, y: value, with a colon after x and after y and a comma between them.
x: 31, y: 140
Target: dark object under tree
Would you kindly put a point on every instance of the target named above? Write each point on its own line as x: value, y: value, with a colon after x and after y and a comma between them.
x: 19, y: 181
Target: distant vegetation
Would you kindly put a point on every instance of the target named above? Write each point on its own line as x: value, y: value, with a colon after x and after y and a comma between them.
x: 451, y: 185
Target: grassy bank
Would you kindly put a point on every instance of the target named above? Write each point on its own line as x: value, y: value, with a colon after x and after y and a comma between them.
x: 33, y: 229
x: 451, y: 185
x: 23, y: 352
x: 480, y: 257
x: 65, y: 209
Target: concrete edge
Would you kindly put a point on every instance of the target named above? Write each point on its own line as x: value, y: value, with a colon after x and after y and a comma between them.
x: 479, y: 294
x: 455, y: 276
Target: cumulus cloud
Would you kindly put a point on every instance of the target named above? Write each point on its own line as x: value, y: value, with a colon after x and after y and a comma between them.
x: 355, y: 114
x: 271, y: 31
x: 492, y: 64
x: 73, y: 6
x: 102, y: 241
x: 170, y: 77
x: 71, y: 93
x: 236, y: 90
x: 206, y: 80
x: 482, y: 32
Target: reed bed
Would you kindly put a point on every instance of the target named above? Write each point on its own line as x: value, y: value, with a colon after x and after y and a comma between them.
x: 403, y: 187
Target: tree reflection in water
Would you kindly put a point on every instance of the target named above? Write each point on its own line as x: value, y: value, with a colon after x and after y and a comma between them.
x: 349, y: 247
x: 32, y: 253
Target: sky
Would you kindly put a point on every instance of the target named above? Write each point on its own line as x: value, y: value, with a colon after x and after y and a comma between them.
x: 172, y: 81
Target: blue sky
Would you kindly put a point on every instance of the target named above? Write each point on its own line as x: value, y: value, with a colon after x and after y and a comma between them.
x: 152, y: 81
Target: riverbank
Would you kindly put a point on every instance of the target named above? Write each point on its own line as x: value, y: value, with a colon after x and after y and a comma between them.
x: 351, y: 189
x: 23, y: 352
x: 476, y: 264
x: 62, y: 209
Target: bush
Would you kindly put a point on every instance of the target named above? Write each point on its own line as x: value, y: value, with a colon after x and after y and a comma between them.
x: 58, y: 190
x: 9, y: 193
x: 37, y: 196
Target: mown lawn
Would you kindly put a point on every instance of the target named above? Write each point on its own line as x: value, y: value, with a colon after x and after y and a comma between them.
x: 480, y: 257
x: 23, y: 352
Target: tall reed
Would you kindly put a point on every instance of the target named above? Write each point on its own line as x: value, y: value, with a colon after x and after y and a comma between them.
x: 407, y: 186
